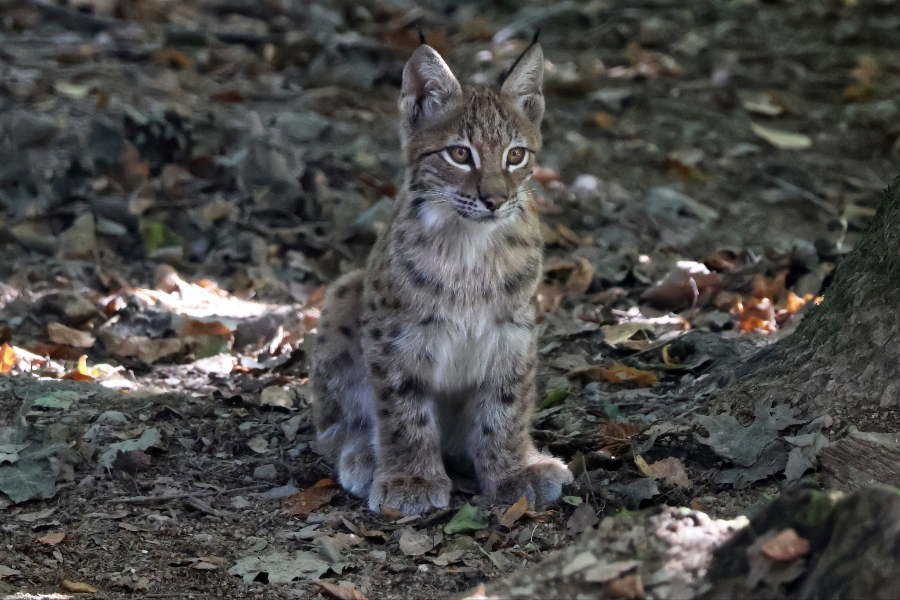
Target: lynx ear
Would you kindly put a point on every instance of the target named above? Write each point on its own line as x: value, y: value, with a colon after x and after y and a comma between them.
x: 428, y: 86
x: 523, y: 83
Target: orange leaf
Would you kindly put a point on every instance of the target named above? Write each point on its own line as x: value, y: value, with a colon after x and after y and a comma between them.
x: 786, y: 546
x: 343, y: 590
x: 78, y: 587
x: 768, y: 287
x: 513, y: 513
x: 54, y: 351
x: 319, y: 494
x: 194, y: 328
x: 619, y: 373
x: 7, y: 358
x: 52, y: 539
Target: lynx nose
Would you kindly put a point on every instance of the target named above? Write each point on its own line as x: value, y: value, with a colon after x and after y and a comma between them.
x: 493, y: 202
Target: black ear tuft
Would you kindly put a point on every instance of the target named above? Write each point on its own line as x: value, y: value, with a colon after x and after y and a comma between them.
x: 422, y: 35
x: 502, y: 78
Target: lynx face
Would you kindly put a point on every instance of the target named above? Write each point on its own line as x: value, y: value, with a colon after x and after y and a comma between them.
x: 471, y: 152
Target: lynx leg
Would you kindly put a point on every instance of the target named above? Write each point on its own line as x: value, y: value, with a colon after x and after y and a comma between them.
x: 507, y: 463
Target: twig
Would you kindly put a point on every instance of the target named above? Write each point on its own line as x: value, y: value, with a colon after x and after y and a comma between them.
x: 440, y: 514
x: 805, y: 194
x: 167, y: 497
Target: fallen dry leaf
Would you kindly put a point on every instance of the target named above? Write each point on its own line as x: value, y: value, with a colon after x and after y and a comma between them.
x: 786, y: 546
x: 319, y: 494
x: 7, y: 358
x: 77, y: 587
x: 671, y: 471
x: 603, y: 120
x: 342, y: 590
x: 629, y: 587
x: 619, y: 373
x: 52, y: 539
x: 757, y: 315
x: 768, y: 287
x: 647, y: 63
x: 580, y: 279
x: 514, y: 512
x: 785, y: 140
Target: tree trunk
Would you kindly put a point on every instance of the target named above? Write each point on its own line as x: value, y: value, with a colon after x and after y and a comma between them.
x: 844, y: 358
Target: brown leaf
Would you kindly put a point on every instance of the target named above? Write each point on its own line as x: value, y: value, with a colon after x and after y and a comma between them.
x: 514, y: 512
x: 580, y: 279
x: 768, y: 287
x: 372, y: 533
x: 134, y: 170
x: 342, y: 590
x: 671, y: 471
x: 171, y: 57
x: 61, y: 334
x: 548, y: 297
x: 55, y: 351
x: 786, y: 546
x: 7, y: 358
x: 77, y: 587
x: 619, y: 373
x: 629, y: 587
x: 319, y: 494
x: 616, y: 435
x: 651, y: 64
x: 227, y: 97
x: 603, y: 120
x: 52, y: 539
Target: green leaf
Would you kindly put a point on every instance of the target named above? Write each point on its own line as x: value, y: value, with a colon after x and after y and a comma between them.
x: 553, y: 398
x: 28, y: 479
x: 59, y: 399
x: 157, y: 235
x: 573, y: 500
x: 467, y: 520
x: 612, y: 411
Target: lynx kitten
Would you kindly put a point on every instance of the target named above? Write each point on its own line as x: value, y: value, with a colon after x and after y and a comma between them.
x: 430, y: 351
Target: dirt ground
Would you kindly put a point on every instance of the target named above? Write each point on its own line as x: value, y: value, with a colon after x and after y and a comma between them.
x: 178, y: 180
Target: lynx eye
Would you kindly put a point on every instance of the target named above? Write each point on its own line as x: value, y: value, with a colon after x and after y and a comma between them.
x: 515, y: 156
x: 460, y: 154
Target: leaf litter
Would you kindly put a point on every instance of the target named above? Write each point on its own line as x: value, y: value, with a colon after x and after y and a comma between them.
x: 208, y: 248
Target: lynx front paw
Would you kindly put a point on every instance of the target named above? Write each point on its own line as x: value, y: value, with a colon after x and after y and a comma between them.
x: 409, y: 495
x: 357, y: 467
x: 540, y: 482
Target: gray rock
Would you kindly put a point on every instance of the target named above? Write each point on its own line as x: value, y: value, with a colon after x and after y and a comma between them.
x: 265, y: 472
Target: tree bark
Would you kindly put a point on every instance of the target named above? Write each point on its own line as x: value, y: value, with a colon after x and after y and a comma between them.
x: 844, y: 358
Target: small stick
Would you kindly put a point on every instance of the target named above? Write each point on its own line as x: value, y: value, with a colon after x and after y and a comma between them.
x: 805, y: 194
x: 427, y: 520
x: 167, y: 497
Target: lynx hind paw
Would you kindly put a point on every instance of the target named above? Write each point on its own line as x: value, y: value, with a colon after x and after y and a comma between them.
x: 409, y: 495
x: 357, y: 467
x: 539, y: 482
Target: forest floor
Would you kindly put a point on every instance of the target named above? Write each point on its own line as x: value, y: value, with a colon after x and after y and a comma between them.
x: 179, y: 180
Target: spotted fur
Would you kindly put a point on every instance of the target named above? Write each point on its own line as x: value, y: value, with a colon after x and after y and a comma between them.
x: 430, y: 351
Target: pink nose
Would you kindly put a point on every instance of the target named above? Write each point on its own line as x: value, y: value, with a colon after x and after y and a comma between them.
x: 492, y: 203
